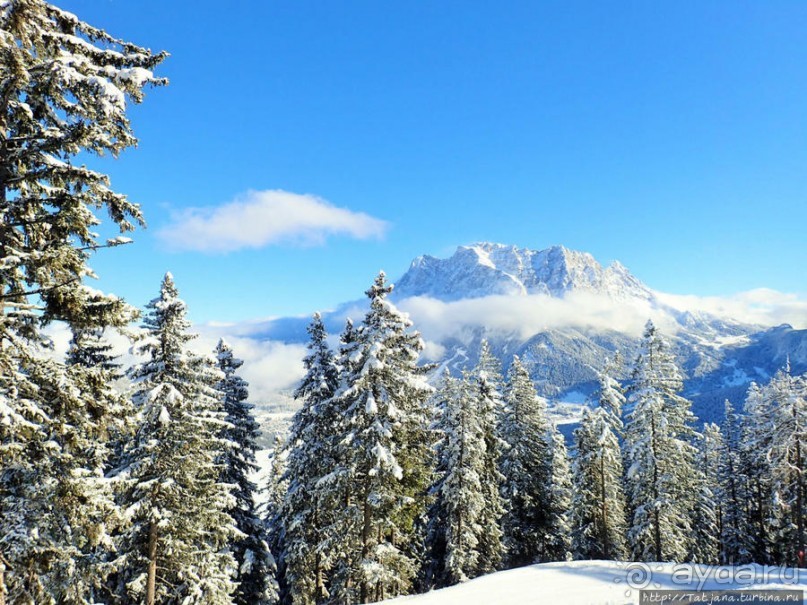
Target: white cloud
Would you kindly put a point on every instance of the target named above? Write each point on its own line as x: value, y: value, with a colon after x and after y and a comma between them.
x: 269, y: 366
x: 261, y: 218
x: 524, y: 316
x: 761, y: 306
x: 432, y: 351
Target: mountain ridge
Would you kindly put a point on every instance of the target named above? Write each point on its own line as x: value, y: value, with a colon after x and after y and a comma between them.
x: 487, y: 268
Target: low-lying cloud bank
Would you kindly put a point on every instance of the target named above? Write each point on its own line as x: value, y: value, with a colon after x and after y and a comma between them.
x: 273, y: 366
x: 761, y: 307
x: 524, y: 316
x: 270, y: 367
x: 262, y: 218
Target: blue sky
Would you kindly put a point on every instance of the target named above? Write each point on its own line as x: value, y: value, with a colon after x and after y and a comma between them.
x: 671, y: 136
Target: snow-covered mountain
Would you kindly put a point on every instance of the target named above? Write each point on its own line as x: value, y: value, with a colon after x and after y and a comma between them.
x: 566, y: 315
x: 486, y: 269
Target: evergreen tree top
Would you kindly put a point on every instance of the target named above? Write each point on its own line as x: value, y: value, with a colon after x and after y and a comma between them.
x: 168, y: 310
x: 65, y: 85
x: 380, y: 288
x: 488, y: 368
x: 655, y: 366
x: 228, y: 363
x: 322, y: 376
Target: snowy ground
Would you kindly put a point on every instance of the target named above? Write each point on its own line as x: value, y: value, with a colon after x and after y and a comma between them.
x: 604, y: 583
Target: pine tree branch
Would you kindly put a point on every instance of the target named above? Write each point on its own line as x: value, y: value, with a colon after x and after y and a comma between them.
x: 39, y: 290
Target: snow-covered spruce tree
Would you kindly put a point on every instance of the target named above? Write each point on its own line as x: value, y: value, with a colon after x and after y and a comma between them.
x: 88, y: 348
x: 175, y: 549
x: 431, y: 573
x: 610, y: 395
x: 341, y: 535
x: 22, y: 446
x: 63, y: 90
x: 387, y: 454
x: 558, y: 537
x: 757, y: 432
x: 63, y: 93
x: 305, y: 512
x: 598, y: 505
x: 100, y: 376
x: 732, y: 492
x: 275, y: 489
x: 488, y: 391
x: 55, y: 501
x: 254, y: 563
x: 707, y: 514
x: 788, y: 460
x: 661, y: 479
x: 104, y: 425
x: 454, y: 529
x: 526, y: 465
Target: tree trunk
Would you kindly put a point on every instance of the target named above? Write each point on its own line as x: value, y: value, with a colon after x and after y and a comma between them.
x: 799, y: 507
x: 604, y: 511
x: 762, y: 537
x: 365, y: 539
x: 319, y: 589
x: 151, y: 581
x: 3, y: 567
x: 799, y: 495
x: 656, y: 520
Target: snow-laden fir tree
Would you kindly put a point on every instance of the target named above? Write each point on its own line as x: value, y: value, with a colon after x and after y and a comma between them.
x: 526, y: 465
x: 63, y: 91
x: 598, y: 506
x: 707, y: 514
x: 488, y: 391
x: 788, y: 461
x: 558, y: 537
x: 610, y: 395
x: 732, y: 492
x: 340, y: 535
x: 661, y: 479
x: 104, y: 426
x: 175, y: 549
x: 757, y: 432
x: 305, y: 511
x: 386, y: 446
x: 432, y: 568
x: 54, y: 499
x: 254, y: 563
x: 22, y: 444
x: 455, y: 528
x: 86, y: 418
x: 90, y: 349
x: 100, y: 376
x: 275, y: 489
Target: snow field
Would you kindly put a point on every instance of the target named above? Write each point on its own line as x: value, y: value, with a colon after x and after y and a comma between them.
x: 604, y: 583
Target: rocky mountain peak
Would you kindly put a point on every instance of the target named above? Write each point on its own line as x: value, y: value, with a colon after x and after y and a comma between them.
x: 486, y: 268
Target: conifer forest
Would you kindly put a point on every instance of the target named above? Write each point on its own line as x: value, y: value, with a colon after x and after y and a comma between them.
x: 136, y: 483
